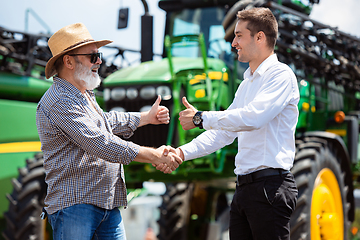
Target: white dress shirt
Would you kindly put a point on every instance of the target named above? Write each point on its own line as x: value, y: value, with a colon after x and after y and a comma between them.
x: 263, y: 116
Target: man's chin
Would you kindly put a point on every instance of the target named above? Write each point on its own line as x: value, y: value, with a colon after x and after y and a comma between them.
x: 240, y: 59
x: 92, y: 86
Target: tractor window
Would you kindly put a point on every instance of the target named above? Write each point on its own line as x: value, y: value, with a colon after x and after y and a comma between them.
x: 182, y: 27
x: 217, y: 44
x: 207, y: 21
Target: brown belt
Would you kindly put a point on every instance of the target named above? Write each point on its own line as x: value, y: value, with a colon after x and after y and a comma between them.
x: 252, y: 177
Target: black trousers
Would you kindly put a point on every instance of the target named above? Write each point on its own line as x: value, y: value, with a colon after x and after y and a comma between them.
x: 261, y: 210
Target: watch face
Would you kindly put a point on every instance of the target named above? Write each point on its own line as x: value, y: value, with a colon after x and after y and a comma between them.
x: 197, y: 120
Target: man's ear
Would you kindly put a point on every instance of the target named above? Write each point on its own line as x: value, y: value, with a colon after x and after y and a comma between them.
x: 68, y: 62
x: 260, y: 36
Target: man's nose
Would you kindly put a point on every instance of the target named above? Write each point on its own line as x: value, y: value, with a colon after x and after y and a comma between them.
x: 98, y: 61
x: 233, y: 44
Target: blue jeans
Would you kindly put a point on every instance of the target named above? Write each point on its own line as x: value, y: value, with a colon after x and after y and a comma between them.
x: 87, y: 222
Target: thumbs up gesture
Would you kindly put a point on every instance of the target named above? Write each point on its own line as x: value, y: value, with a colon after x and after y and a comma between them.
x: 158, y: 114
x: 186, y: 116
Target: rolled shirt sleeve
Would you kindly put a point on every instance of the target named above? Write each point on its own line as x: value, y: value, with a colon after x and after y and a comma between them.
x: 82, y: 131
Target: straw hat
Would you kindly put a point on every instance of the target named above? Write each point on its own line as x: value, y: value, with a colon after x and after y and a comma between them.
x: 67, y: 39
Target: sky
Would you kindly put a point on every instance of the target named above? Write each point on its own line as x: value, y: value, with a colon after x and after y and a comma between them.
x: 100, y: 17
x: 342, y: 14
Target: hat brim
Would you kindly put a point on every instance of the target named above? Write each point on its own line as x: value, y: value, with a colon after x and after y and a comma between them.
x: 51, y: 71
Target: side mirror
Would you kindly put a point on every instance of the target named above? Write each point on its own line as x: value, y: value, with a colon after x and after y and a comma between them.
x: 123, y: 18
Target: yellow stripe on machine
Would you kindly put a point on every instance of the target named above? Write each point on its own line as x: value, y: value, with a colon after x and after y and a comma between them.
x: 212, y: 75
x: 340, y: 132
x: 20, y: 147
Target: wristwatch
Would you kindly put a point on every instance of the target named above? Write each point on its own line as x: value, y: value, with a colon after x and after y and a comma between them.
x: 197, y: 119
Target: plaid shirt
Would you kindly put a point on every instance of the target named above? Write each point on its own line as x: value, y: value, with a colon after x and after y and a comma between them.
x: 82, y: 156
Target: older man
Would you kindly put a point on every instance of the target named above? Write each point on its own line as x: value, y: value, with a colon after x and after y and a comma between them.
x: 83, y: 157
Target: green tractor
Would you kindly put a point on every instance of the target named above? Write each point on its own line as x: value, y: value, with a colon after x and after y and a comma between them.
x: 198, y: 62
x: 23, y: 57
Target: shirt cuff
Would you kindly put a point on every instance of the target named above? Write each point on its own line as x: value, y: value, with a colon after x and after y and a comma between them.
x: 210, y: 120
x: 133, y: 124
x: 132, y: 150
x: 134, y: 120
x: 189, y: 150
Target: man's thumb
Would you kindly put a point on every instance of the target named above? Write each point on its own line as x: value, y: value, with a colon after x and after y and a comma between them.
x: 166, y: 152
x: 157, y: 102
x: 186, y: 103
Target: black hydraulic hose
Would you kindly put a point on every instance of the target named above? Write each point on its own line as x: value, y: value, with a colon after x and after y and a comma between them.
x: 146, y: 7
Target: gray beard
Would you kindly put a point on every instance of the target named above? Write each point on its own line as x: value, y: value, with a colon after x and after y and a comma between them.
x: 86, y: 76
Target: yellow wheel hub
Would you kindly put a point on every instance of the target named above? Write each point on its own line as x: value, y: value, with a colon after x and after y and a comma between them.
x: 327, y: 219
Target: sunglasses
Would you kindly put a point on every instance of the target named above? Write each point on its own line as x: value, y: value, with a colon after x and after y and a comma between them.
x: 93, y: 56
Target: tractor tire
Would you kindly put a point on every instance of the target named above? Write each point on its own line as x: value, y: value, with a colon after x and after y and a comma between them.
x: 175, y: 212
x: 322, y: 209
x: 192, y: 211
x: 23, y: 220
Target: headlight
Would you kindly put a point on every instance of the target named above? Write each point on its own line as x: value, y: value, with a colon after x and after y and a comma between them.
x: 131, y: 93
x: 106, y: 94
x: 164, y: 92
x: 118, y: 109
x: 147, y: 92
x: 118, y: 94
x: 145, y: 108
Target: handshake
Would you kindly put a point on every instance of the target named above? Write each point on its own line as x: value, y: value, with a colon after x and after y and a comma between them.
x: 169, y: 159
x: 173, y: 157
x: 165, y: 158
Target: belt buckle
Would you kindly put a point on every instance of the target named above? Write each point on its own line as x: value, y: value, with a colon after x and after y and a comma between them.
x: 43, y: 214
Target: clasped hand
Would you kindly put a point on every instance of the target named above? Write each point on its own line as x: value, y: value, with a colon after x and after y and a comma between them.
x: 169, y: 160
x: 171, y: 157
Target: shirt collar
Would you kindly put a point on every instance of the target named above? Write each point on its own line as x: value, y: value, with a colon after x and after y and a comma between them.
x: 71, y: 88
x: 263, y: 66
